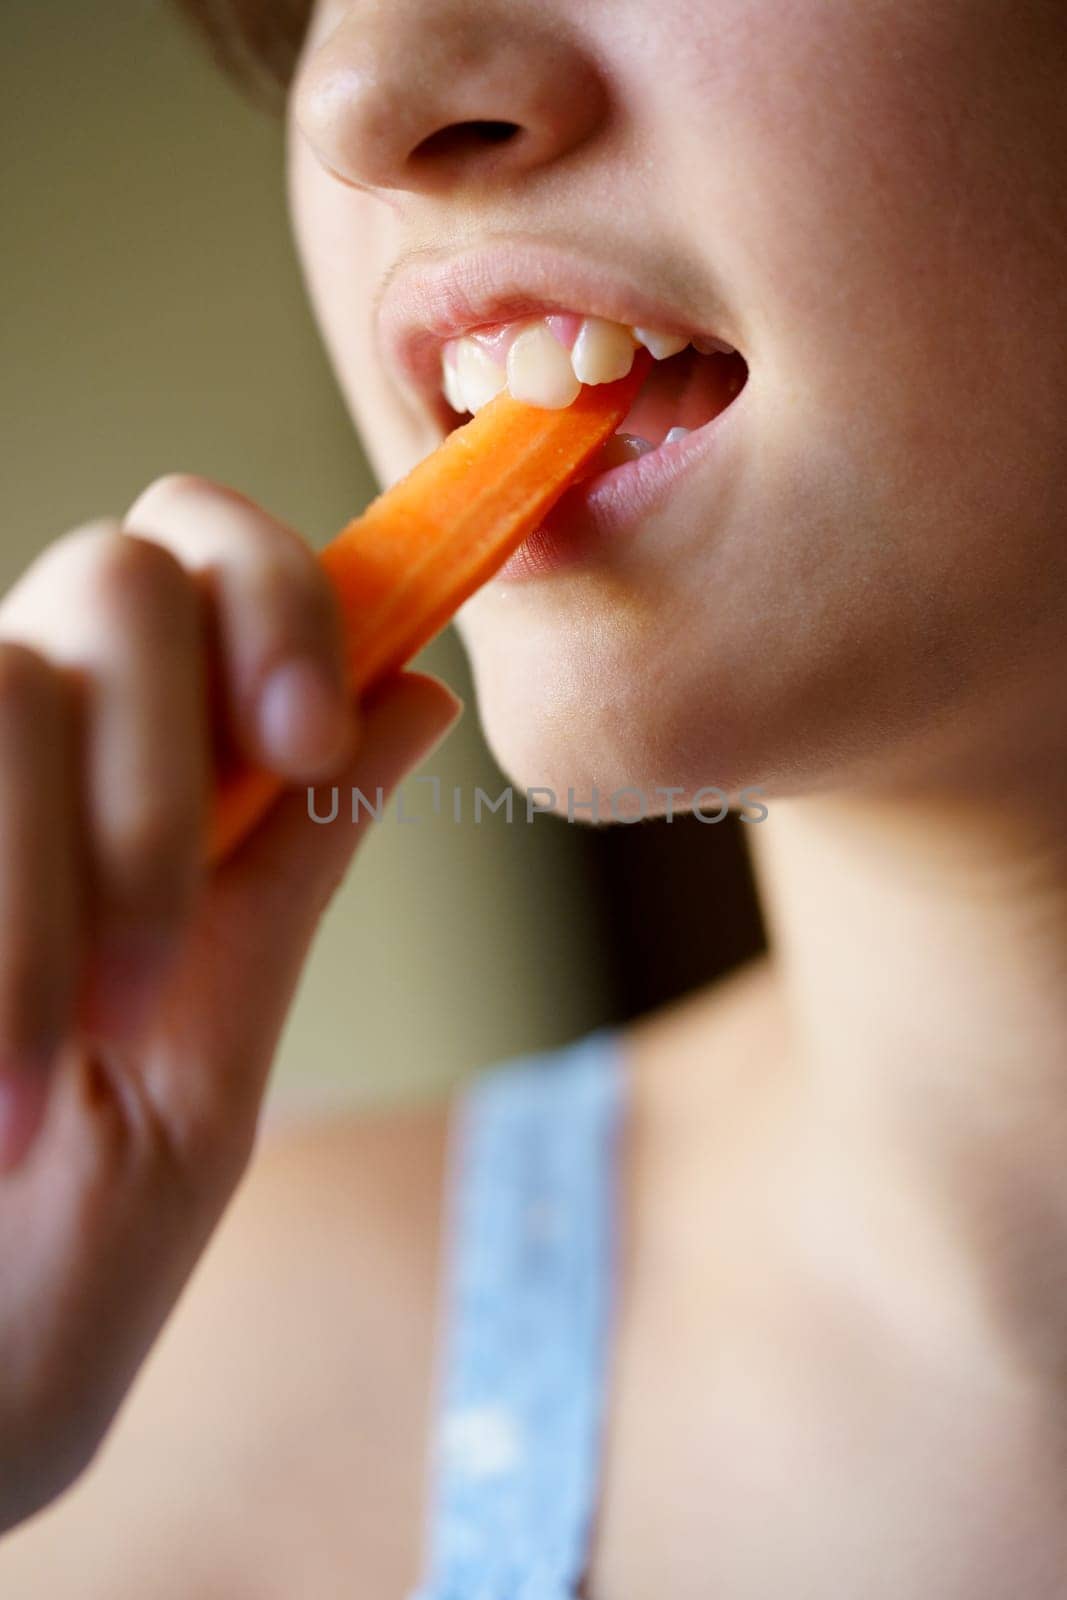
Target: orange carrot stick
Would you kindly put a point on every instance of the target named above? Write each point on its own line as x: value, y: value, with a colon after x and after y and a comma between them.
x: 403, y: 568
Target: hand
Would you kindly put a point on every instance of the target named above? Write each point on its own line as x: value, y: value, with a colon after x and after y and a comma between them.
x: 142, y: 996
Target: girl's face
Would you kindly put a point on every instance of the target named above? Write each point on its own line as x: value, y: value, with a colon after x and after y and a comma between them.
x: 858, y: 571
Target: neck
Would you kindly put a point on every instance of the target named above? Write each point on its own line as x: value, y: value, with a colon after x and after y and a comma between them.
x: 922, y: 950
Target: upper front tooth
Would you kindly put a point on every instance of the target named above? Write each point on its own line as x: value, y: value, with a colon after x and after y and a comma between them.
x: 603, y: 351
x: 540, y: 370
x: 660, y: 345
x: 450, y: 383
x: 478, y: 378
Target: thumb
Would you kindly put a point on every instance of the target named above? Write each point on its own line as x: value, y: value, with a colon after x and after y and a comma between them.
x: 250, y: 938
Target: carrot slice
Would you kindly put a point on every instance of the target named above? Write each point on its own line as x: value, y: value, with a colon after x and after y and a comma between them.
x: 403, y: 568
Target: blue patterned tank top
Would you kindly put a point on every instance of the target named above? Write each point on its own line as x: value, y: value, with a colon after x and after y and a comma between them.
x: 523, y: 1361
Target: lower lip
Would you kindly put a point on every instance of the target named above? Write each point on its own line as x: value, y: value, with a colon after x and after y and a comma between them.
x: 609, y: 507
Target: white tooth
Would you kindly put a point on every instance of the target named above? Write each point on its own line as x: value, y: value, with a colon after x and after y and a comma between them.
x: 603, y: 351
x: 540, y: 371
x: 478, y: 378
x: 710, y: 346
x: 660, y: 345
x: 450, y: 384
x: 677, y: 433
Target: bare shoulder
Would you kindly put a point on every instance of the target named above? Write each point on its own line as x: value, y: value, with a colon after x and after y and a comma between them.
x: 274, y: 1443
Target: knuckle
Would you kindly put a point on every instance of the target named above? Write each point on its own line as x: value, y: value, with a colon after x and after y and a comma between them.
x: 75, y: 551
x: 57, y: 569
x: 79, y: 539
x: 167, y: 490
x: 176, y: 492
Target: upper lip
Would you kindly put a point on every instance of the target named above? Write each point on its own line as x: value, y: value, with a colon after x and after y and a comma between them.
x: 442, y: 294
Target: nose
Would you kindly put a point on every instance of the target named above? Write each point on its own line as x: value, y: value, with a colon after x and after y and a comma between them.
x: 434, y: 96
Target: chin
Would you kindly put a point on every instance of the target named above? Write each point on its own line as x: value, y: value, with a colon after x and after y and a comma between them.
x: 579, y: 691
x: 587, y: 713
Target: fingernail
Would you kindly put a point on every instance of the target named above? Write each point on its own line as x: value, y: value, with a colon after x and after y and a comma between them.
x: 305, y: 723
x: 23, y: 1098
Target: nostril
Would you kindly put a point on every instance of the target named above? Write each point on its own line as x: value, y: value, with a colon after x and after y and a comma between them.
x: 462, y: 139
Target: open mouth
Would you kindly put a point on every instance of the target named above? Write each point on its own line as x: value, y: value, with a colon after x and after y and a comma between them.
x: 545, y: 360
x: 682, y: 393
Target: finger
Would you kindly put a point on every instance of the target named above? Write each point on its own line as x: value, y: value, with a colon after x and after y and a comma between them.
x: 38, y: 890
x: 259, y: 914
x: 280, y: 634
x: 124, y: 620
x: 148, y: 774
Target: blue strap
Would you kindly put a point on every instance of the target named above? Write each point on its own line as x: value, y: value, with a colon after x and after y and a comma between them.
x: 527, y: 1312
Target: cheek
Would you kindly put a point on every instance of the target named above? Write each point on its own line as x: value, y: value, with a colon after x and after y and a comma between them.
x: 346, y: 241
x: 886, y: 174
x: 826, y: 611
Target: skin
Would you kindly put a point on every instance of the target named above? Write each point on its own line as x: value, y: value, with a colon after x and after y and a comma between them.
x: 839, y: 1360
x: 839, y: 597
x: 141, y: 1001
